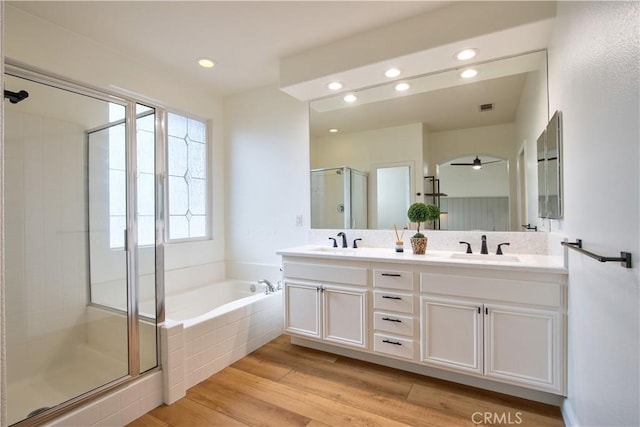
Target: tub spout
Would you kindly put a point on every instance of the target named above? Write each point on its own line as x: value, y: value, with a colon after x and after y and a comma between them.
x: 268, y: 287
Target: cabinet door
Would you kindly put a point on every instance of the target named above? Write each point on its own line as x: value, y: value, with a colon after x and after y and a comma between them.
x: 344, y: 316
x: 523, y: 346
x: 302, y: 309
x: 451, y: 334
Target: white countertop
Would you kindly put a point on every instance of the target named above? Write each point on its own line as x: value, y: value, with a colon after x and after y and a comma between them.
x: 511, y: 262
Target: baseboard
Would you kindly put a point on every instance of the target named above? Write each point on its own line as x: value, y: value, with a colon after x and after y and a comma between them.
x: 568, y: 415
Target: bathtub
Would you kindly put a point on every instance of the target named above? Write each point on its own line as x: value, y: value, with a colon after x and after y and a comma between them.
x: 208, y: 328
x: 198, y: 304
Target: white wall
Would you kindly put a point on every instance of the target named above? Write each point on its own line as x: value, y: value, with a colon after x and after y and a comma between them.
x: 267, y: 181
x: 38, y: 43
x: 593, y: 74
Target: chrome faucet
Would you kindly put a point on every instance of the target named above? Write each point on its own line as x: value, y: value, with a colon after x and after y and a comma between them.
x: 484, y: 249
x: 344, y: 239
x: 268, y: 288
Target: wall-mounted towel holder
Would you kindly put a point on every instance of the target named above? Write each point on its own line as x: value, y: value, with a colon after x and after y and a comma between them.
x: 624, y: 258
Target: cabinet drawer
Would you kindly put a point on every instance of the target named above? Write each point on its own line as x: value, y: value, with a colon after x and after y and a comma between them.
x: 393, y: 301
x: 393, y: 323
x: 394, y: 346
x: 393, y: 279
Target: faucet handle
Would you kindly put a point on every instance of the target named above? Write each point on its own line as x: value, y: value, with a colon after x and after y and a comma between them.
x: 355, y: 244
x: 469, y: 251
x: 335, y: 244
x: 499, y: 251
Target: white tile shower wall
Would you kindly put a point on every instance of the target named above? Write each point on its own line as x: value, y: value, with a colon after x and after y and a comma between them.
x: 45, y: 238
x: 520, y: 242
x: 119, y: 407
x: 214, y: 344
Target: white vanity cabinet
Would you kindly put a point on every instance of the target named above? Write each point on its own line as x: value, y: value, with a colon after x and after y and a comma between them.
x: 510, y: 330
x: 494, y: 326
x: 320, y: 308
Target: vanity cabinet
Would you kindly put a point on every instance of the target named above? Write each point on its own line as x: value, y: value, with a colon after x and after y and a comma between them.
x: 497, y: 324
x: 327, y: 310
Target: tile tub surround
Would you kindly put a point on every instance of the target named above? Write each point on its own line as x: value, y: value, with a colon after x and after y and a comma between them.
x: 534, y: 243
x: 194, y: 353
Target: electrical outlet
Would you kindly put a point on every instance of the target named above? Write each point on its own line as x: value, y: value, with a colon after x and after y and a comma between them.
x: 299, y: 220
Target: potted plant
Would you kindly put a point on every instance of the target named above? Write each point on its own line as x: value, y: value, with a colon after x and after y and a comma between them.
x: 418, y: 213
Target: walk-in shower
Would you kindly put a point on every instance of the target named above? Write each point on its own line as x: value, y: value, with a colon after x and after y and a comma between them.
x: 81, y: 241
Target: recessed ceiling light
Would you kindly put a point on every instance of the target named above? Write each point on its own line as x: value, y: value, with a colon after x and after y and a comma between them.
x: 333, y: 130
x: 401, y: 87
x: 206, y: 63
x: 350, y: 98
x: 465, y: 54
x: 392, y: 72
x: 469, y: 73
x: 335, y: 85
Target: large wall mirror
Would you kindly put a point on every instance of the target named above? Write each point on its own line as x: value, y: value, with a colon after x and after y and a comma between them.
x: 468, y: 133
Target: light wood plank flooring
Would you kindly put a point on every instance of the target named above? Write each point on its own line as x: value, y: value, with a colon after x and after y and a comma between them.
x: 281, y: 385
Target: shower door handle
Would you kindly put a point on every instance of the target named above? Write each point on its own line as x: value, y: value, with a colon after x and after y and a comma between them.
x: 126, y: 240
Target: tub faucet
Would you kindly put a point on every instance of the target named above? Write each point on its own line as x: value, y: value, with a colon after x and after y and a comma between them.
x: 268, y: 287
x: 344, y: 239
x: 484, y: 249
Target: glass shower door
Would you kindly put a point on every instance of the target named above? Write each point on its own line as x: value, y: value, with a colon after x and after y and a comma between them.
x: 68, y: 182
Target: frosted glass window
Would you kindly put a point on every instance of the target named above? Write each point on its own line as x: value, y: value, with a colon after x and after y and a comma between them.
x: 187, y: 180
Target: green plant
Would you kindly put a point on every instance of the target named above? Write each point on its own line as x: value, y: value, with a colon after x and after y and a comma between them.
x: 421, y: 212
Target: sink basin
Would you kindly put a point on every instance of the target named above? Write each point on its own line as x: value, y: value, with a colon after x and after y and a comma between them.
x: 335, y: 251
x: 481, y: 257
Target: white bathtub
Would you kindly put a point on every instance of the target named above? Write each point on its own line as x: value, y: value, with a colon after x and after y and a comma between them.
x: 208, y: 328
x: 198, y: 304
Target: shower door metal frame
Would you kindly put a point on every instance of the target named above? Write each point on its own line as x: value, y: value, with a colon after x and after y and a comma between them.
x: 25, y: 71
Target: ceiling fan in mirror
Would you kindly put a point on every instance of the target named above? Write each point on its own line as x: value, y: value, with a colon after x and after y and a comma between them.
x: 476, y: 164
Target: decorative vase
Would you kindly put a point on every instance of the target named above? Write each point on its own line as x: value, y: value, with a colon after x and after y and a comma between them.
x: 419, y: 245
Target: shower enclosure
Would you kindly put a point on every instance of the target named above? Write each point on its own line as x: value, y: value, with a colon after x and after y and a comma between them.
x: 339, y: 198
x: 82, y: 242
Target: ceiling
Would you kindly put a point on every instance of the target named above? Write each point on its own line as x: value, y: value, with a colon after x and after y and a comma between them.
x: 246, y: 39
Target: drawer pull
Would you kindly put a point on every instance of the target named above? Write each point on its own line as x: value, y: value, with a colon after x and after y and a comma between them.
x: 390, y: 297
x: 389, y: 319
x: 391, y: 274
x: 392, y: 342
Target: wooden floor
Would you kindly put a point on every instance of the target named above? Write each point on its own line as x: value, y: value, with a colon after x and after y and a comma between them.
x: 281, y: 384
